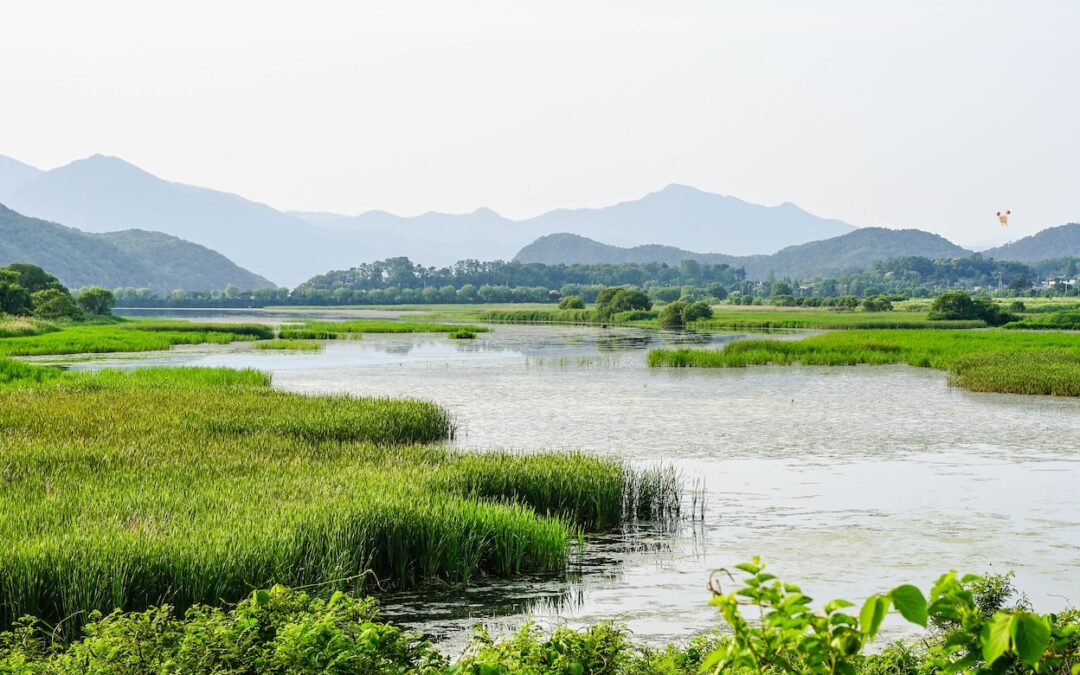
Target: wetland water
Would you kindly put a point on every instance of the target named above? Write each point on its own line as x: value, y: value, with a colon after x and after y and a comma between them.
x: 847, y: 480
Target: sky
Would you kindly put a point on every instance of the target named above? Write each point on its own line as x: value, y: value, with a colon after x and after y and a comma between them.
x: 916, y: 113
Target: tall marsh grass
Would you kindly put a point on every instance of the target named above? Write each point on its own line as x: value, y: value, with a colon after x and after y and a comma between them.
x: 185, y: 485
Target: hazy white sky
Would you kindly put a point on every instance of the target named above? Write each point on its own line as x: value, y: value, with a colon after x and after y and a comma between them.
x: 910, y: 113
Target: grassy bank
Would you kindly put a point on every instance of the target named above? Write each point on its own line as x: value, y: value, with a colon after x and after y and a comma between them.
x: 131, y: 489
x: 989, y: 360
x: 38, y: 338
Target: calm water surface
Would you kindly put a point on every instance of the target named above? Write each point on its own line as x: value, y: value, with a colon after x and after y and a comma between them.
x: 846, y: 480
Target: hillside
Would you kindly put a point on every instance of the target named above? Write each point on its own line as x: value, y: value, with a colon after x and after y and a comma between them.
x: 104, y: 194
x: 846, y: 253
x: 132, y: 258
x: 1053, y: 242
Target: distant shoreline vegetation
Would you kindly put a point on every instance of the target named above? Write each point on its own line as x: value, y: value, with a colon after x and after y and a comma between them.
x: 398, y: 281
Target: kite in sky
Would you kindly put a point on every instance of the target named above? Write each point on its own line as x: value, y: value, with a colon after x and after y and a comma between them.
x: 1003, y: 218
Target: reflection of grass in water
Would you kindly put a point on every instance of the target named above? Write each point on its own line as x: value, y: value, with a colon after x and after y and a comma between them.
x: 580, y: 361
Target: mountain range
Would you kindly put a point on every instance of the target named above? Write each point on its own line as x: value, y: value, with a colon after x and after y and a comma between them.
x: 849, y: 252
x: 103, y: 194
x: 99, y: 194
x: 134, y: 258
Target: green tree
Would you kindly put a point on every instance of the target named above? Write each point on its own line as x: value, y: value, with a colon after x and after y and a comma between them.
x: 96, y: 301
x: 14, y: 299
x: 53, y: 303
x: 33, y: 278
x: 716, y: 290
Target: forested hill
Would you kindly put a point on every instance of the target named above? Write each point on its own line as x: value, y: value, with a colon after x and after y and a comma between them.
x: 850, y: 252
x: 1055, y: 242
x: 132, y: 258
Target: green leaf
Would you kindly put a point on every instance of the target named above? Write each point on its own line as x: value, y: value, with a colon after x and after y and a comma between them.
x: 262, y: 597
x: 872, y: 614
x: 576, y: 668
x: 1030, y: 635
x: 995, y: 637
x: 748, y: 568
x: 833, y: 605
x: 910, y: 603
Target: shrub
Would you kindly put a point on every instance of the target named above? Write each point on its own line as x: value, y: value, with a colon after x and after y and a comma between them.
x: 697, y: 311
x: 572, y: 302
x: 671, y: 316
x: 953, y: 305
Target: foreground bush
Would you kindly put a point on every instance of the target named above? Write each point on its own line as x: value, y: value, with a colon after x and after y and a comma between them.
x: 770, y: 628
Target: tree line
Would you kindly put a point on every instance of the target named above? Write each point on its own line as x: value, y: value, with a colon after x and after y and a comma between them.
x: 400, y: 281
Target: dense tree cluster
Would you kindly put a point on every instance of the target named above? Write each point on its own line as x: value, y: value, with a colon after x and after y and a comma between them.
x: 28, y: 290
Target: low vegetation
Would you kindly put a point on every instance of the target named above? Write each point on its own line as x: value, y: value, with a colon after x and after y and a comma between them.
x: 992, y: 361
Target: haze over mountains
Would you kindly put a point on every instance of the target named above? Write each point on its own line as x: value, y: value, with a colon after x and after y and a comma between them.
x: 133, y: 258
x: 100, y: 193
x: 104, y: 194
x: 849, y: 252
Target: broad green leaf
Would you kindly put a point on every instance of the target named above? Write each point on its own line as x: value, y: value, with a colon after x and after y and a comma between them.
x: 995, y: 637
x: 910, y: 603
x: 262, y: 597
x: 748, y: 568
x: 834, y: 605
x: 1030, y: 635
x: 872, y: 614
x: 576, y: 668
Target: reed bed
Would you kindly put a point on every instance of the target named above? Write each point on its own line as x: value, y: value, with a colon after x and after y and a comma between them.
x: 128, y: 489
x: 568, y: 316
x: 989, y: 360
x: 24, y: 327
x: 290, y: 344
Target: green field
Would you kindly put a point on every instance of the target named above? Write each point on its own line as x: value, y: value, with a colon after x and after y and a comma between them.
x: 1018, y: 362
x: 130, y: 489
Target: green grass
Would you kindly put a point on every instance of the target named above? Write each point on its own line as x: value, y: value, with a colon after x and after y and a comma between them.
x: 1067, y: 319
x: 128, y: 336
x: 297, y: 345
x: 134, y: 488
x: 986, y: 360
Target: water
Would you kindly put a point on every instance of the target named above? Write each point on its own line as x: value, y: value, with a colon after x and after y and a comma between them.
x: 847, y: 480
